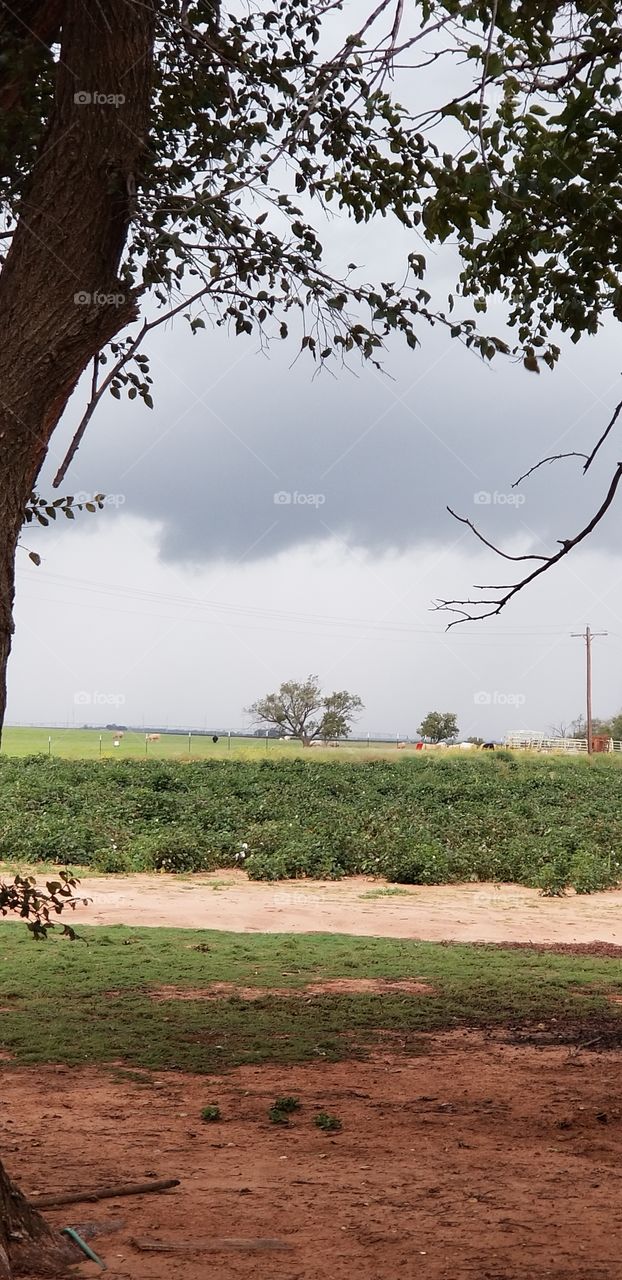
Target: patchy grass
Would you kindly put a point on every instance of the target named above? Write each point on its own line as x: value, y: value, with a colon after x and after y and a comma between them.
x: 89, y: 1001
x: 391, y: 892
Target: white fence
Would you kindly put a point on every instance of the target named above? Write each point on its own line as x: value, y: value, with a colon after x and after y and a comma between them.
x: 538, y: 742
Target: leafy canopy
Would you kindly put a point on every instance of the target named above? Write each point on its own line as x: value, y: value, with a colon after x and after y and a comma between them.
x: 302, y: 710
x: 265, y: 116
x: 439, y: 726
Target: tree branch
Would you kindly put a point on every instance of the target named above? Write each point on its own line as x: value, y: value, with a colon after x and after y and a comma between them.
x: 554, y: 457
x: 499, y: 603
x: 472, y: 527
x: 610, y: 425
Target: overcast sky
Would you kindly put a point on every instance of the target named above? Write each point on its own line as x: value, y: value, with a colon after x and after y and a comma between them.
x: 263, y: 523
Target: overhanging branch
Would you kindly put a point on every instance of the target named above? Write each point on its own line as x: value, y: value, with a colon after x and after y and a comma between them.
x: 464, y: 609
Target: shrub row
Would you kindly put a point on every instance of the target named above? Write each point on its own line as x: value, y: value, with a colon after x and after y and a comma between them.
x: 545, y: 822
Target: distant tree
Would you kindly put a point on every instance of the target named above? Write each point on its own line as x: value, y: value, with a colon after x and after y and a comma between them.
x: 615, y: 726
x: 477, y: 742
x: 439, y: 726
x: 578, y: 728
x: 302, y: 710
x: 339, y: 711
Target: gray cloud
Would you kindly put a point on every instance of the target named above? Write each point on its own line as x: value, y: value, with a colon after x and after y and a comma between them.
x: 370, y: 460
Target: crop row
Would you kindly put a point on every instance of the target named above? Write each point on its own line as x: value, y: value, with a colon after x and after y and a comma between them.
x: 546, y: 822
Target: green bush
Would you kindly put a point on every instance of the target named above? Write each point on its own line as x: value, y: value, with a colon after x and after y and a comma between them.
x: 111, y: 861
x: 555, y: 823
x: 181, y: 851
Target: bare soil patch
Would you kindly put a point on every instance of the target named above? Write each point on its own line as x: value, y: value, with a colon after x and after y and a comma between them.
x: 466, y: 1162
x: 331, y: 987
x: 462, y: 913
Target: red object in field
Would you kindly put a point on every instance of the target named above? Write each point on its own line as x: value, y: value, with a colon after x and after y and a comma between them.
x: 600, y: 742
x: 419, y: 746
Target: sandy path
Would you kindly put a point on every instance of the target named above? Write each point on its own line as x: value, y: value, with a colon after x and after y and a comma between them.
x: 466, y: 913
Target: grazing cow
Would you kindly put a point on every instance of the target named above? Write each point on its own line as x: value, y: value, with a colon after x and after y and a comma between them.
x: 153, y: 737
x: 401, y: 746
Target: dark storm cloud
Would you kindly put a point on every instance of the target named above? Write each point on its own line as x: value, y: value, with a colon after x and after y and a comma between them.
x: 245, y: 457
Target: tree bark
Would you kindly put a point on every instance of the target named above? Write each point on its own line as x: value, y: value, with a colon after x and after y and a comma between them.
x: 61, y: 299
x: 27, y: 1244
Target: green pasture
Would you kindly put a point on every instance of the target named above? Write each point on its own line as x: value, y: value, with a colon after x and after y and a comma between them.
x: 91, y: 1000
x: 95, y: 744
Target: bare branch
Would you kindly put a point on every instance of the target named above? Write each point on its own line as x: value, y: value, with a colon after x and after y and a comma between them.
x: 610, y: 425
x: 475, y: 530
x: 554, y: 457
x: 567, y: 545
x: 98, y: 391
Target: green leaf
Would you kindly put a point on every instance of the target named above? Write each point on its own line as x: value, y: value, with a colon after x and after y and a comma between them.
x: 531, y: 363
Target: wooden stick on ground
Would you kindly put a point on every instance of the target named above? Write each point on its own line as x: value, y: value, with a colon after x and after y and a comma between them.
x: 226, y: 1244
x: 104, y: 1193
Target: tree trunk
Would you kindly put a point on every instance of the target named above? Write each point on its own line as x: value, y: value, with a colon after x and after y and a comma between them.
x: 27, y: 1244
x: 61, y: 299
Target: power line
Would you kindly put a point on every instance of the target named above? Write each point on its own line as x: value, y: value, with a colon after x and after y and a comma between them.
x: 281, y: 616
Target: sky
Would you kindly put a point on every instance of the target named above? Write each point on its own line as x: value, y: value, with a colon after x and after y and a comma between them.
x: 265, y: 522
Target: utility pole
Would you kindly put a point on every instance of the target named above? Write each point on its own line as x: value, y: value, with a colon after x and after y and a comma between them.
x: 588, y: 636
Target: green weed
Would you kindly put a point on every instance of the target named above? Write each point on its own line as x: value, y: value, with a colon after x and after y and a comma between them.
x: 328, y: 1122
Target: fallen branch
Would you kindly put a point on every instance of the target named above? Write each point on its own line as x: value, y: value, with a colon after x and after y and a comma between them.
x: 225, y: 1244
x: 104, y: 1193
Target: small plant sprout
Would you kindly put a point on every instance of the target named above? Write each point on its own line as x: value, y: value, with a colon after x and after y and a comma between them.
x: 328, y: 1122
x: 287, y: 1104
x: 282, y: 1108
x: 211, y: 1113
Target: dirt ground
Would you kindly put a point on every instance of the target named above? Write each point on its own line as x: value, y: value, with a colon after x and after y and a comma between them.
x: 473, y: 1160
x: 464, y: 913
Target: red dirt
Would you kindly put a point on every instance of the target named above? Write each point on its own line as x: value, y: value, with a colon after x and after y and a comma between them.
x: 331, y: 987
x: 461, y: 913
x: 467, y: 1162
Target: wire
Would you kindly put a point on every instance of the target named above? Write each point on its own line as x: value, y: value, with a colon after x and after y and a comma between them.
x: 281, y: 616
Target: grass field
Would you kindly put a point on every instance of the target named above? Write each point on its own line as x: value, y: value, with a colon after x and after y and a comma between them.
x: 90, y: 1000
x: 84, y: 744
